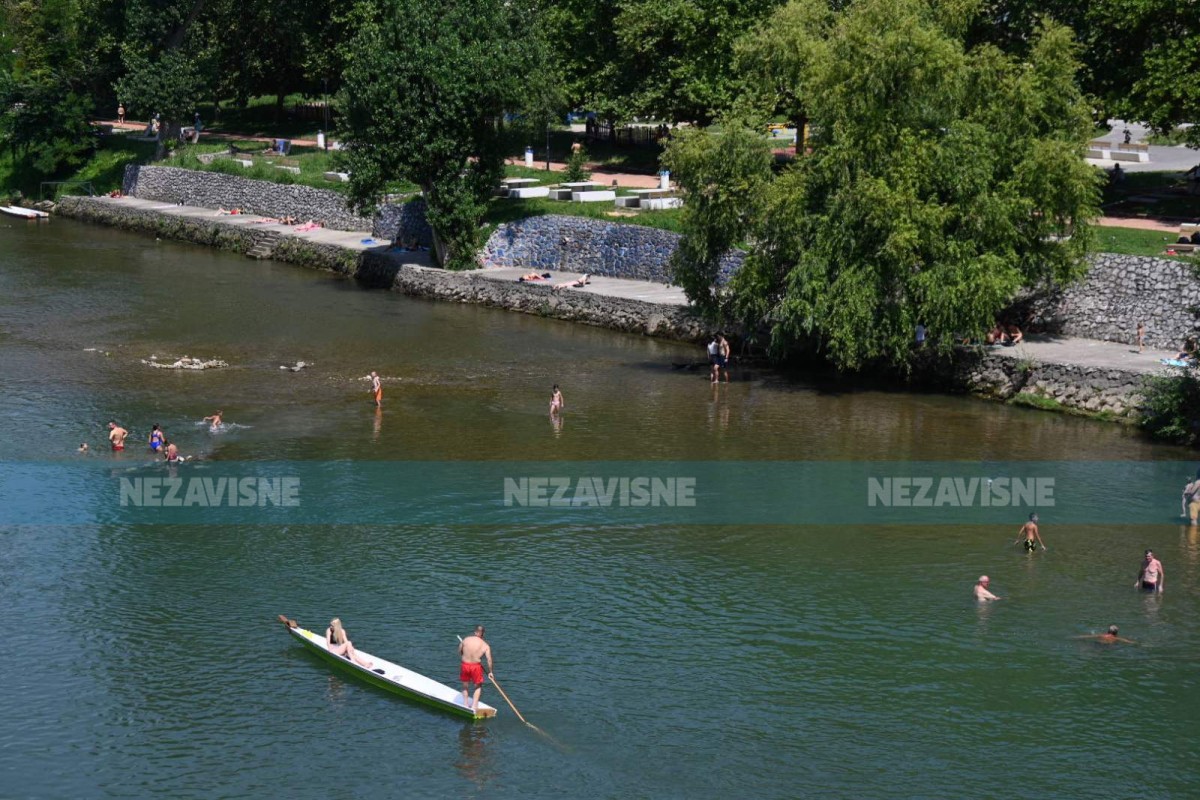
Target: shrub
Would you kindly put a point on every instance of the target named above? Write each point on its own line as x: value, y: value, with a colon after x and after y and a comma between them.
x: 1171, y: 410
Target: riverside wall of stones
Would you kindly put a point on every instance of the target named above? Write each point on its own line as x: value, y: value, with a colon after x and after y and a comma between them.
x: 404, y: 222
x: 1002, y: 375
x: 1120, y: 291
x: 191, y: 187
x: 579, y: 244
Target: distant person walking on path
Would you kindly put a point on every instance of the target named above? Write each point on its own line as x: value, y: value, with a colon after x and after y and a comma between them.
x: 1032, y: 536
x: 377, y: 388
x: 120, y: 112
x: 1150, y: 577
x: 982, y: 595
x: 1141, y: 336
x: 1191, y: 500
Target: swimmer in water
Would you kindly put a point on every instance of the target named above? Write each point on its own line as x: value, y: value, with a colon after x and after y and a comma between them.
x: 556, y: 401
x: 158, y: 439
x: 116, y: 436
x: 215, y: 421
x: 981, y: 593
x: 1029, y: 531
x: 1109, y: 637
x: 172, y: 455
x: 83, y: 447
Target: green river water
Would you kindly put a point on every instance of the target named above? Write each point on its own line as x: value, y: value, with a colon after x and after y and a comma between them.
x: 669, y: 656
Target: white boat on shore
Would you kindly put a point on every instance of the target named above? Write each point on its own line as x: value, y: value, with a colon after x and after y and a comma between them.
x: 24, y: 213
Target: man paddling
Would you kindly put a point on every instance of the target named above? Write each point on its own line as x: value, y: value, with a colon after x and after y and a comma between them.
x: 473, y: 650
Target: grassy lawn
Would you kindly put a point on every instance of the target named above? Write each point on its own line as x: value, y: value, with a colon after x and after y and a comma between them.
x: 260, y: 118
x: 631, y: 158
x: 313, y: 165
x: 104, y: 168
x: 1136, y: 242
x: 1175, y: 137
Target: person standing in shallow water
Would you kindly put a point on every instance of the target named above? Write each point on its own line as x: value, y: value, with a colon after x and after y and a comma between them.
x: 377, y: 388
x: 714, y: 357
x: 1151, y: 576
x: 556, y: 401
x: 1029, y: 531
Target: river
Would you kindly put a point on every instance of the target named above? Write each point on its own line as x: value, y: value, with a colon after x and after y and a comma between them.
x: 667, y: 656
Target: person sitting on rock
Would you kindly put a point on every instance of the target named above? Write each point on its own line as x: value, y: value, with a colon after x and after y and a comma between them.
x: 1014, y: 335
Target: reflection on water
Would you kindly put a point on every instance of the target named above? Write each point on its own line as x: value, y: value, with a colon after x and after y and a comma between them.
x: 475, y: 760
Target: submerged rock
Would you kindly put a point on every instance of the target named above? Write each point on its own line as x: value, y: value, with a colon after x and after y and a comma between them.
x: 186, y: 363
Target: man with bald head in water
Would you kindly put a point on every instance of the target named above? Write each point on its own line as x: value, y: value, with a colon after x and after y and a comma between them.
x: 982, y: 595
x: 473, y: 650
x: 116, y: 435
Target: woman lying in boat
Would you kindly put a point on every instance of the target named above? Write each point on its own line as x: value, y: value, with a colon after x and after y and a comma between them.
x: 339, y: 643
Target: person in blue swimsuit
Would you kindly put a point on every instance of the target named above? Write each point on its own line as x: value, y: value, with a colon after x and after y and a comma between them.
x: 158, y: 439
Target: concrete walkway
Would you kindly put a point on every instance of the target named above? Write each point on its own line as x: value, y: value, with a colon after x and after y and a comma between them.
x: 357, y: 241
x: 1086, y: 353
x: 609, y: 287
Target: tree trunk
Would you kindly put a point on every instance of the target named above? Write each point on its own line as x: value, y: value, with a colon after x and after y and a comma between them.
x: 439, y: 247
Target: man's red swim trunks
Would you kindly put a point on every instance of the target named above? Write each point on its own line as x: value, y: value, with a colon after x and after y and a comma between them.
x: 118, y: 447
x: 471, y: 673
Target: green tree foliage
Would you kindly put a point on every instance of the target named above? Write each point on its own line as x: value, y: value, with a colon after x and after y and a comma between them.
x: 425, y: 86
x: 674, y: 58
x: 1171, y: 409
x: 725, y: 176
x: 943, y: 179
x: 44, y: 98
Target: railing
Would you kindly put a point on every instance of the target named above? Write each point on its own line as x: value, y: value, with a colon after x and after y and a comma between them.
x: 58, y: 186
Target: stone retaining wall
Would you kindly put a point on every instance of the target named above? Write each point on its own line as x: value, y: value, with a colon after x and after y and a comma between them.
x: 1118, y: 292
x: 578, y: 244
x: 213, y: 233
x: 988, y: 373
x: 405, y: 224
x: 622, y: 314
x: 218, y: 190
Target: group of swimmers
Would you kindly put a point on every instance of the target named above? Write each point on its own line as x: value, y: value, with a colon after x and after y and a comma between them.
x: 157, y: 440
x: 1151, y: 576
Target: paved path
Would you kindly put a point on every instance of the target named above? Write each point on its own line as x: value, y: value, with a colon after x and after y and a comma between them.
x: 1087, y: 353
x: 351, y: 240
x: 609, y: 287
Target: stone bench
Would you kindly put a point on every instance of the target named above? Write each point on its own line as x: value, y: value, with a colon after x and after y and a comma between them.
x: 338, y: 177
x: 293, y: 170
x: 561, y: 194
x: 1138, y: 157
x: 662, y: 203
x: 626, y: 202
x: 601, y: 196
x: 1099, y: 149
x: 522, y: 192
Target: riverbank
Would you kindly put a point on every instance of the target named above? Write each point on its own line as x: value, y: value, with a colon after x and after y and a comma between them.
x: 625, y: 305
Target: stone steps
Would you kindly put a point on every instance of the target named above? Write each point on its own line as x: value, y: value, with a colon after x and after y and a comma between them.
x: 263, y: 244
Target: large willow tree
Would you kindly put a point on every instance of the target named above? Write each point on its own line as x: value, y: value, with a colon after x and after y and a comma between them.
x: 941, y: 181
